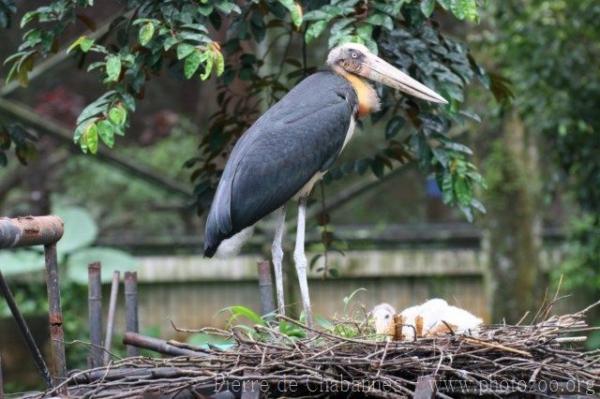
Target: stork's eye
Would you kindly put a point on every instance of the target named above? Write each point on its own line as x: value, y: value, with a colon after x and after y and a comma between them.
x: 387, y: 316
x: 354, y: 54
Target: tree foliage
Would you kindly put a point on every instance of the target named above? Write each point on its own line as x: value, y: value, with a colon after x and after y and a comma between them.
x: 151, y: 36
x: 546, y: 48
x: 550, y: 51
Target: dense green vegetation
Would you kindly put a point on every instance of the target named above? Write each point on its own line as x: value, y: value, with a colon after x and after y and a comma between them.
x: 153, y: 36
x: 529, y: 68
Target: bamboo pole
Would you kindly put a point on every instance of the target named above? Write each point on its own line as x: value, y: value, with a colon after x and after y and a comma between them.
x: 110, y: 320
x: 95, y: 358
x: 57, y: 335
x: 131, y: 309
x: 265, y: 287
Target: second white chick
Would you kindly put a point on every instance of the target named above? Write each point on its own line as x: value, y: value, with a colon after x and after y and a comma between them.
x: 427, y: 320
x: 383, y: 316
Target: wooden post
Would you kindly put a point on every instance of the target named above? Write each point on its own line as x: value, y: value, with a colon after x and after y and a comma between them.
x: 1, y: 381
x: 131, y: 309
x: 57, y: 335
x: 250, y: 388
x: 425, y: 388
x: 265, y: 286
x: 112, y: 306
x: 95, y: 314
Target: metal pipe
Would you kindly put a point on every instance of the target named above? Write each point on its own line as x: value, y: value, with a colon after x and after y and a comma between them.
x: 110, y: 320
x: 30, y: 230
x: 265, y: 287
x: 95, y: 314
x: 57, y: 335
x: 131, y: 309
x: 25, y: 333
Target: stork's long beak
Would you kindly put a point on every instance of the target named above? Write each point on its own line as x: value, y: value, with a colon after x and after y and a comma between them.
x: 374, y: 68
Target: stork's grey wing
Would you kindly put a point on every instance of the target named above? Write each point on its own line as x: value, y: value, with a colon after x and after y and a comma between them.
x: 296, y: 138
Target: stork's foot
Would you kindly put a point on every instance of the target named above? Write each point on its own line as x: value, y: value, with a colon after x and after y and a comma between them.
x: 301, y: 263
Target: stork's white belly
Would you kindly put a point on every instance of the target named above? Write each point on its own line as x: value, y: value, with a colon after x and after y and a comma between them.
x: 306, y: 190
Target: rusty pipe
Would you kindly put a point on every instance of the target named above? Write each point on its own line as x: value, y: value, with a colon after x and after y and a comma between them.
x: 30, y: 230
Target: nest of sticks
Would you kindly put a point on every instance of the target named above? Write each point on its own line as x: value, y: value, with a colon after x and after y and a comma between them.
x: 542, y: 358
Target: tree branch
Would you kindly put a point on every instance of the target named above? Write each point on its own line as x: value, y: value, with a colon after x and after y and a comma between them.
x: 64, y: 135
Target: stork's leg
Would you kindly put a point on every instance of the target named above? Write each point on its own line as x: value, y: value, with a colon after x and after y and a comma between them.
x: 301, y: 263
x: 277, y: 254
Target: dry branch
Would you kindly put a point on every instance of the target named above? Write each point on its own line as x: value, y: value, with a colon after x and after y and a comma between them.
x: 519, y: 360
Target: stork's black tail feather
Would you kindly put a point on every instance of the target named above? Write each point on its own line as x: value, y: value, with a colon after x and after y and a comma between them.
x: 210, y: 249
x: 212, y: 238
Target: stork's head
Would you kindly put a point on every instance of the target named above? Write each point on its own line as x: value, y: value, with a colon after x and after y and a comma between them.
x: 383, y: 316
x: 356, y: 59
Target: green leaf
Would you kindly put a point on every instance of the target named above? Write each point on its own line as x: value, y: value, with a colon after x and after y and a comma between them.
x: 117, y: 115
x: 91, y: 137
x: 393, y: 126
x: 381, y: 20
x: 291, y: 330
x: 242, y: 311
x: 446, y: 187
x: 184, y: 49
x: 113, y: 67
x: 191, y: 64
x: 28, y: 17
x: 205, y: 9
x: 80, y: 229
x: 464, y: 9
x: 315, y: 30
x: 170, y: 42
x: 476, y: 204
x: 445, y: 3
x: 83, y: 42
x: 462, y: 191
x: 206, y: 341
x: 228, y: 6
x: 146, y: 33
x: 207, y: 68
x: 295, y: 11
x: 111, y: 260
x: 106, y: 132
x: 427, y: 7
x: 15, y: 262
x: 219, y: 63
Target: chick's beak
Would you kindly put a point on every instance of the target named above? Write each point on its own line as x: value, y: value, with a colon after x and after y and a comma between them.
x: 376, y: 69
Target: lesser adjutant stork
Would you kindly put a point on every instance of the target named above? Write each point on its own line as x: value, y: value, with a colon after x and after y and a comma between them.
x: 292, y: 145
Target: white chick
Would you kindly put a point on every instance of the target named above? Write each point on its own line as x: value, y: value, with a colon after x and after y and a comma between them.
x: 429, y: 314
x: 463, y: 320
x: 436, y: 317
x: 383, y: 315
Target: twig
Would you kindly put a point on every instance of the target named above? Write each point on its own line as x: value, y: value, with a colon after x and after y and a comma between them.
x: 110, y: 319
